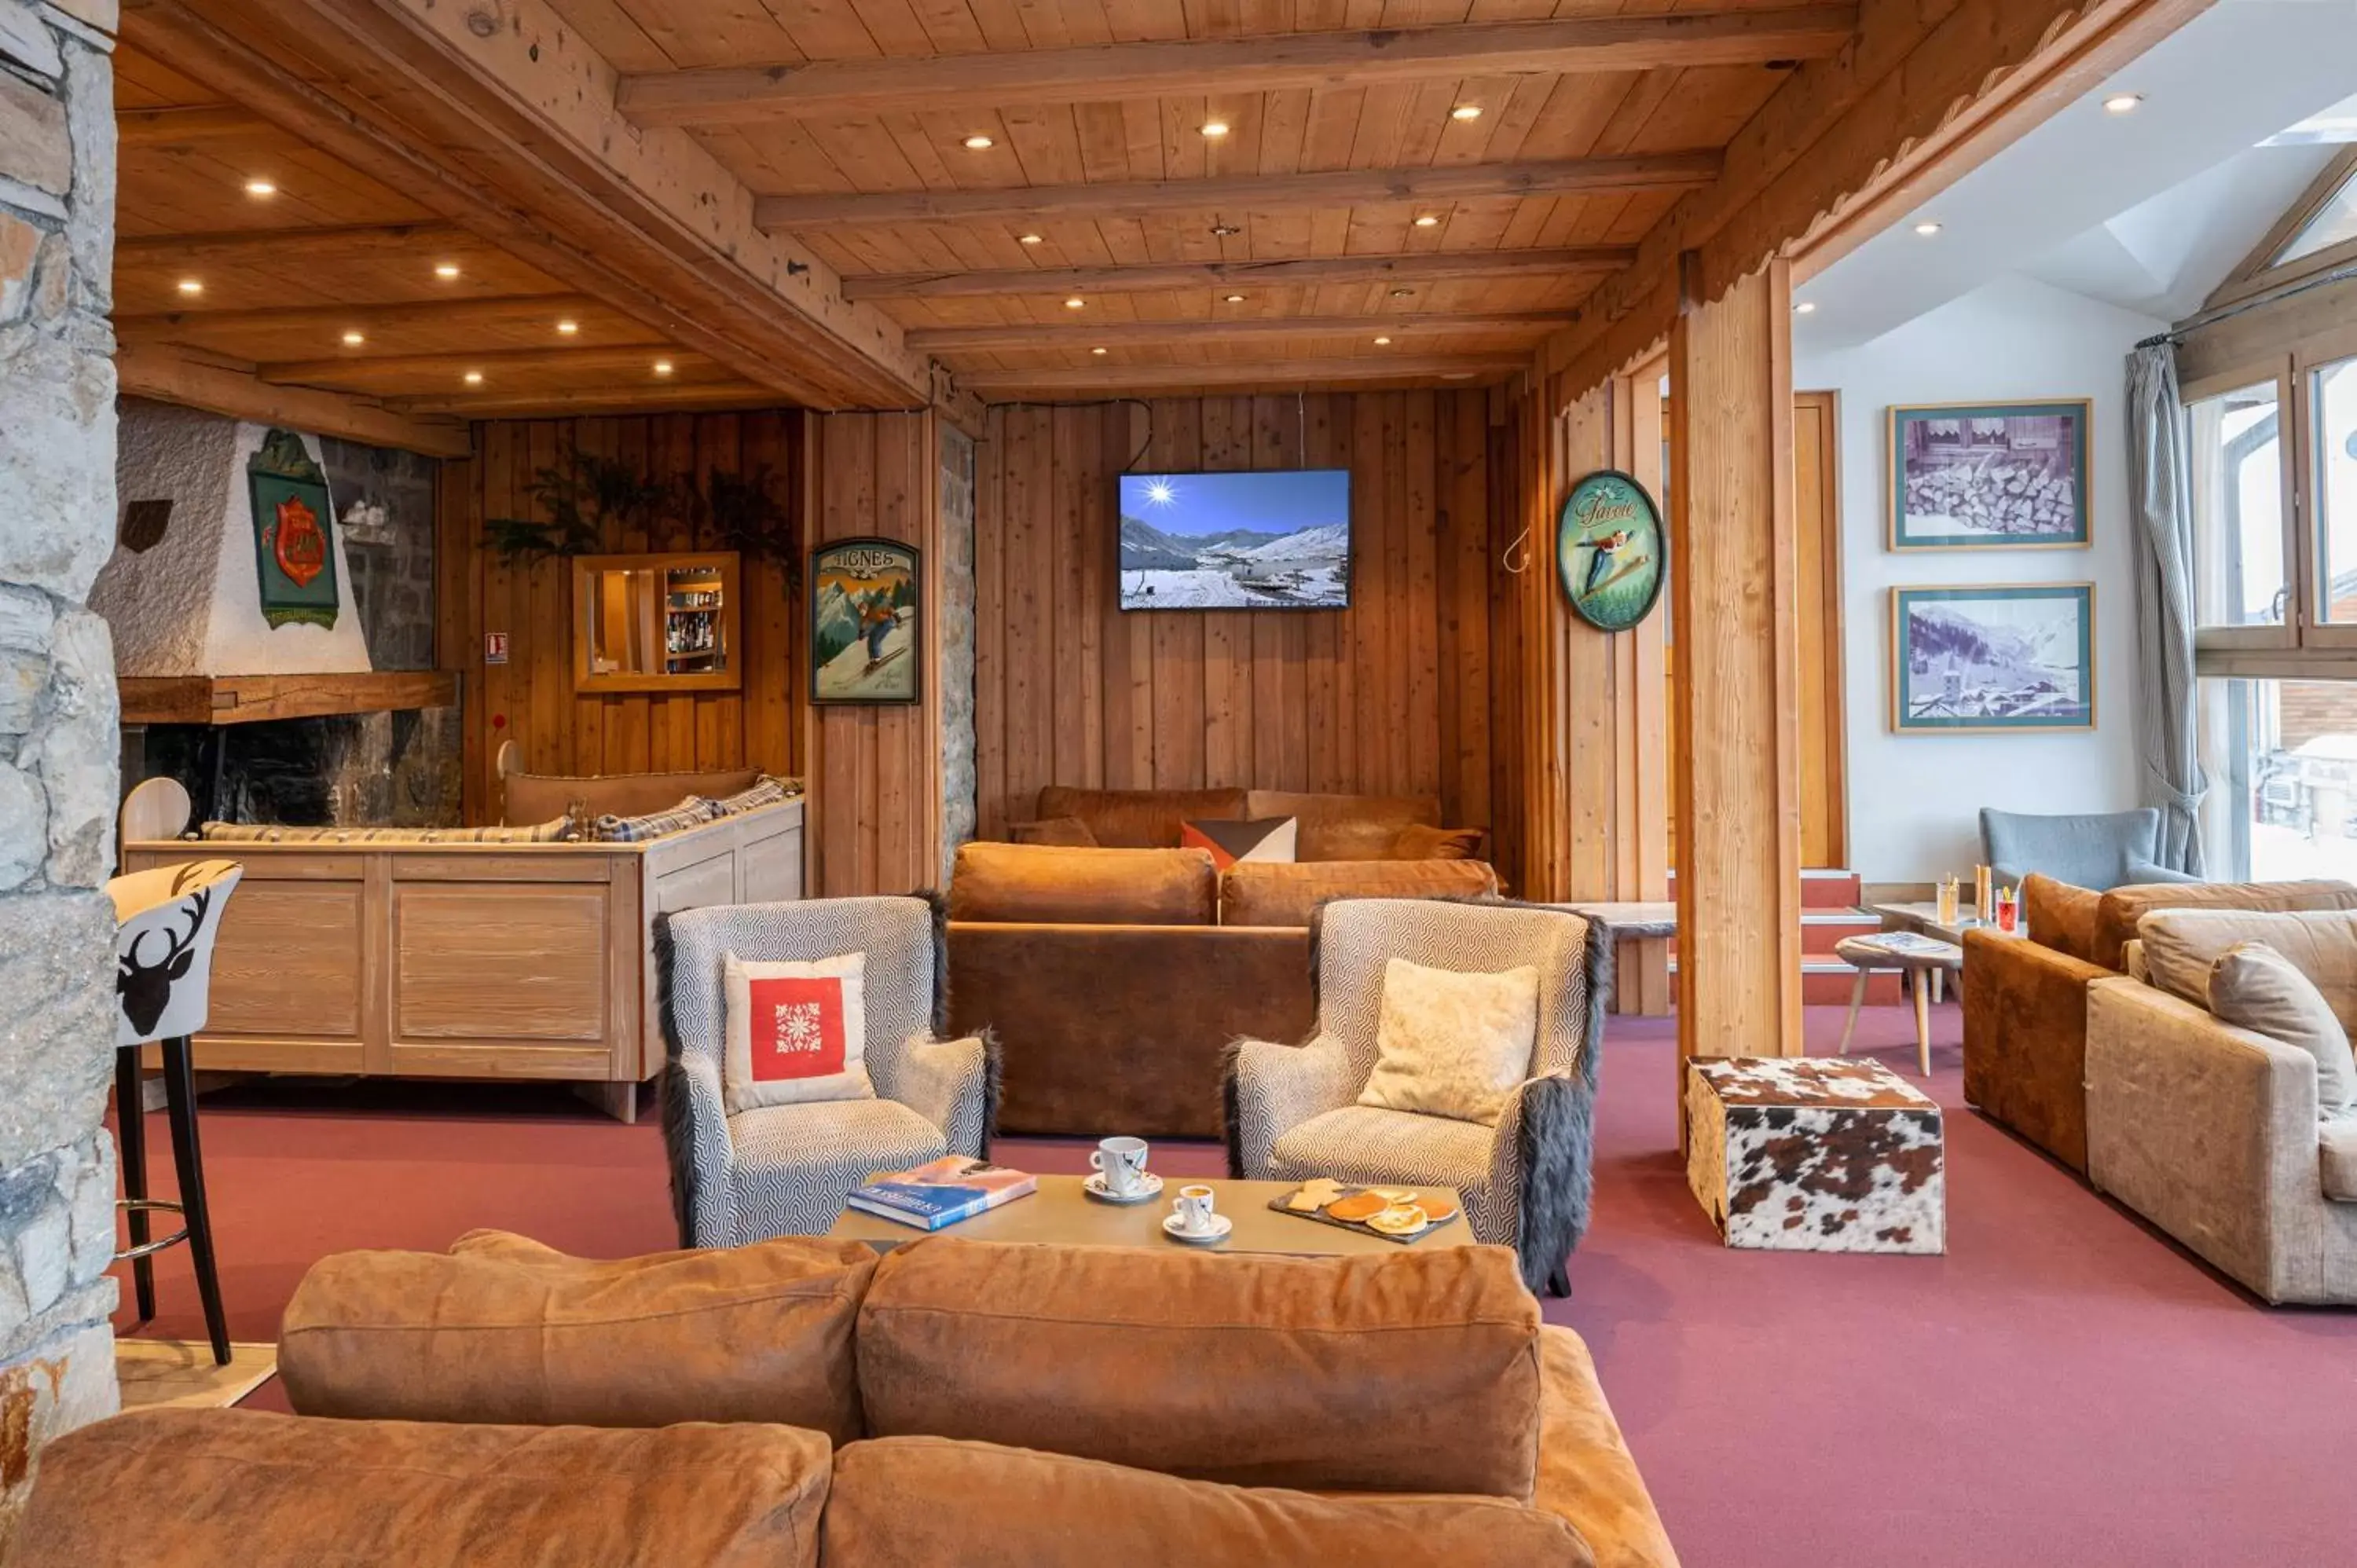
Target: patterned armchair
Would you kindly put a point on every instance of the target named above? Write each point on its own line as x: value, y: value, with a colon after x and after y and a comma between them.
x: 784, y: 1170
x: 1293, y: 1110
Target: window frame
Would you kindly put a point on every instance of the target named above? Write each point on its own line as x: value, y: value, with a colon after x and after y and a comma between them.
x: 2275, y: 370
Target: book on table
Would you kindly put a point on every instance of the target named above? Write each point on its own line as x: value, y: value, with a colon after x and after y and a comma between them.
x: 1909, y: 943
x: 941, y: 1192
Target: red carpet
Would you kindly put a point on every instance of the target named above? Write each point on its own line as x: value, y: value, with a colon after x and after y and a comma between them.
x: 2063, y: 1388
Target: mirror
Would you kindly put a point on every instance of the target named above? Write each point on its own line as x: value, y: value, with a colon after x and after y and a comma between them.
x: 655, y: 623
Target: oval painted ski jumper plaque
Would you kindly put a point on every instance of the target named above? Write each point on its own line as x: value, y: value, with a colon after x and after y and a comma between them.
x: 1609, y: 550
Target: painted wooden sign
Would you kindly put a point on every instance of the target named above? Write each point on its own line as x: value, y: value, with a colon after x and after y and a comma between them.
x: 1609, y: 550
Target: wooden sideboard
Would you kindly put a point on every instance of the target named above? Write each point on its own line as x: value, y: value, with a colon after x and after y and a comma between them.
x: 467, y: 961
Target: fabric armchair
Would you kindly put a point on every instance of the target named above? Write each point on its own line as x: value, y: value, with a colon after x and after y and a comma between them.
x: 784, y: 1170
x: 1293, y: 1110
x: 2098, y: 851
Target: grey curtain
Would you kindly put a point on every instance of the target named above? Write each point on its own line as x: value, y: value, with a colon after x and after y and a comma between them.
x: 2159, y: 487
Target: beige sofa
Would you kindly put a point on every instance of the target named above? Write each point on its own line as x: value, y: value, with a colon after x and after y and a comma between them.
x: 2212, y: 1131
x: 956, y: 1404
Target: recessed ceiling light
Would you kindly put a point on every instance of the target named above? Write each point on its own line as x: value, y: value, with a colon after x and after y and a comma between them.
x: 354, y: 339
x: 2122, y: 102
x: 445, y: 270
x: 1100, y: 351
x: 1428, y: 221
x: 1236, y: 299
x: 1224, y: 231
x: 191, y: 286
x: 1074, y: 303
x: 473, y: 378
x: 1466, y: 111
x: 1403, y: 293
x: 979, y: 144
x: 662, y: 366
x: 1382, y: 342
x: 1215, y: 129
x: 567, y: 327
x: 261, y: 187
x: 1805, y: 308
x: 1927, y: 229
x: 1028, y: 239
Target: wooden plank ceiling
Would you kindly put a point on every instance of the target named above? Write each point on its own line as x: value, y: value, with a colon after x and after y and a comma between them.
x: 1052, y: 198
x: 241, y: 248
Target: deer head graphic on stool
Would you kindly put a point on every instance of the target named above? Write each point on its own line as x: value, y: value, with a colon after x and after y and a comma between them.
x: 165, y: 922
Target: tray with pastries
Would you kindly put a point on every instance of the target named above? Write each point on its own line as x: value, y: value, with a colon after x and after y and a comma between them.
x: 1401, y: 1213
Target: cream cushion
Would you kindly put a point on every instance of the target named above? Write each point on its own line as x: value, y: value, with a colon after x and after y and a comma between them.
x: 2254, y: 987
x: 2182, y: 946
x: 1450, y: 1044
x: 796, y: 1032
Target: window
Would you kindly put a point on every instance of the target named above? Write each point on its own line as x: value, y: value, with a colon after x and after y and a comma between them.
x: 2333, y: 395
x: 2239, y: 572
x: 2335, y: 223
x: 2281, y: 757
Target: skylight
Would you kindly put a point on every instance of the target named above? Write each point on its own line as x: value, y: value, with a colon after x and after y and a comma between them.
x: 2335, y: 223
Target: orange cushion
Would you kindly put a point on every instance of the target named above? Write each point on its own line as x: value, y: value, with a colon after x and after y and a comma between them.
x: 1254, y: 893
x: 1345, y: 827
x: 1138, y: 819
x: 1038, y: 884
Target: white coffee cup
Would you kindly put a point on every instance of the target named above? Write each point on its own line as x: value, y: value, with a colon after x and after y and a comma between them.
x: 1194, y: 1210
x: 1122, y: 1161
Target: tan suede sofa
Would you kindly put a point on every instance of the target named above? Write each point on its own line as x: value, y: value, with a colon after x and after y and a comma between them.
x: 1114, y: 978
x: 2213, y: 1132
x: 2025, y: 998
x: 955, y: 1405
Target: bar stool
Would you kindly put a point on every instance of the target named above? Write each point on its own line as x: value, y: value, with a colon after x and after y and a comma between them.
x: 165, y: 924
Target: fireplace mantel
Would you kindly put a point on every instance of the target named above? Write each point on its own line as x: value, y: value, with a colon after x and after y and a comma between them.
x: 247, y: 699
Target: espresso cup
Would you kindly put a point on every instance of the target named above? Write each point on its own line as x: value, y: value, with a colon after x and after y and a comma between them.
x: 1122, y: 1161
x: 1194, y: 1210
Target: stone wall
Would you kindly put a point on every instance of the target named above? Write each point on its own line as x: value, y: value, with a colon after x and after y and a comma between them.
x: 58, y: 742
x: 385, y: 509
x: 956, y: 567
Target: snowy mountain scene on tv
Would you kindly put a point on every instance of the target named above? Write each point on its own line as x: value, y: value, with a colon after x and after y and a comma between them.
x: 1995, y: 658
x: 1209, y: 542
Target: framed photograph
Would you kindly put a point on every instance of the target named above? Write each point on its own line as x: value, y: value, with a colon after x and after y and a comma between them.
x: 1981, y: 474
x: 1993, y: 657
x: 865, y: 641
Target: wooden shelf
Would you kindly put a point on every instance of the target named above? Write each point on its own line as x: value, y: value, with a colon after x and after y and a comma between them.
x: 248, y: 699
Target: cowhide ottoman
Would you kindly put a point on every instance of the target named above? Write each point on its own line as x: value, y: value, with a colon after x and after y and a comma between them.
x: 1815, y: 1154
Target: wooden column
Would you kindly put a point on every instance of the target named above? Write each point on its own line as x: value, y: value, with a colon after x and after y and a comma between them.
x: 1733, y: 583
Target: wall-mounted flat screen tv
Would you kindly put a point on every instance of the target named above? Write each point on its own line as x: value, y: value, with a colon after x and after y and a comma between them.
x: 1279, y: 539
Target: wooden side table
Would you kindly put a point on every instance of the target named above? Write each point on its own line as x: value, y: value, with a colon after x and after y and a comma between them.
x: 1923, y: 960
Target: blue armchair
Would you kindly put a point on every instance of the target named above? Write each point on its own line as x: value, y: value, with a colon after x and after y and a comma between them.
x: 2100, y: 850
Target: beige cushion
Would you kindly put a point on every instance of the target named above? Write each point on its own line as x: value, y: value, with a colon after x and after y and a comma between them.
x: 2181, y: 947
x: 797, y: 1032
x: 1450, y: 1044
x: 934, y: 1502
x: 555, y: 830
x: 536, y: 797
x: 2336, y: 1143
x: 2119, y: 912
x: 2254, y: 987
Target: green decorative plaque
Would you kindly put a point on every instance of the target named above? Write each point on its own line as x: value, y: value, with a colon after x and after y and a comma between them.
x: 294, y: 547
x: 1610, y: 551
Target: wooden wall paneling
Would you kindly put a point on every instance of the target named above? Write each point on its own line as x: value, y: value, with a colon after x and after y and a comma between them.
x: 1419, y: 518
x: 1825, y: 825
x: 548, y: 708
x: 1072, y: 618
x: 1584, y: 701
x: 771, y: 618
x: 1737, y: 741
x: 458, y: 614
x: 891, y: 731
x: 991, y: 815
x: 629, y: 723
x: 597, y: 437
x: 1028, y: 454
x: 720, y: 715
x: 1330, y: 681
x: 1371, y: 589
x: 1178, y: 717
x: 1280, y: 644
x: 496, y: 720
x: 674, y: 713
x: 1227, y: 634
x: 1126, y: 639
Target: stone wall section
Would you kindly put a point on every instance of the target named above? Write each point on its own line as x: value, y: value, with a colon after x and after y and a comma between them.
x: 956, y: 567
x: 58, y: 727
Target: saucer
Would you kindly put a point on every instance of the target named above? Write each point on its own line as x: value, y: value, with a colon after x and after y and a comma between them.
x: 1150, y: 1185
x: 1217, y: 1231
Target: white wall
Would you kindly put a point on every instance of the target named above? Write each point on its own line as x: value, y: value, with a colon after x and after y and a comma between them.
x: 1914, y: 800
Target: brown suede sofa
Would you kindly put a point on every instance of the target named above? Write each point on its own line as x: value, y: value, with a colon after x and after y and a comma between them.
x: 955, y: 1405
x: 1114, y: 978
x: 2025, y: 997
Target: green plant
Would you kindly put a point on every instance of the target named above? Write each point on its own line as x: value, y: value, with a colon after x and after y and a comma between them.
x: 579, y: 498
x: 736, y: 512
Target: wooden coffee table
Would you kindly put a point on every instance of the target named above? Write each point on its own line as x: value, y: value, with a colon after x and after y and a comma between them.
x: 1060, y: 1212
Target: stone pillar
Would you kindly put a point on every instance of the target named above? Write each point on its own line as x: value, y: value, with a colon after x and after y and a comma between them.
x: 955, y: 556
x: 58, y: 736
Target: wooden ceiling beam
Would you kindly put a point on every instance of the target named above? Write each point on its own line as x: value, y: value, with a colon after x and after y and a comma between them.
x: 285, y: 245
x: 995, y: 386
x: 1124, y: 334
x: 635, y: 360
x: 456, y: 315
x: 510, y: 131
x: 137, y: 128
x: 1194, y: 68
x: 169, y: 375
x: 1157, y: 276
x: 1242, y: 193
x: 1850, y: 142
x: 592, y: 400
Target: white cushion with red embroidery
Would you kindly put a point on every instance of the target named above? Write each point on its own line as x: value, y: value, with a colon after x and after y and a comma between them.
x: 797, y: 1032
